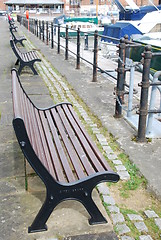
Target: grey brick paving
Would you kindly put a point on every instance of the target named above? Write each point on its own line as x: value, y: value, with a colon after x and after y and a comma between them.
x: 145, y: 237
x: 122, y: 229
x: 120, y: 168
x: 124, y: 175
x: 117, y: 162
x: 150, y: 214
x: 135, y: 217
x: 113, y: 209
x: 127, y: 238
x: 103, y: 189
x: 109, y: 200
x: 141, y: 226
x: 117, y: 218
x: 158, y: 222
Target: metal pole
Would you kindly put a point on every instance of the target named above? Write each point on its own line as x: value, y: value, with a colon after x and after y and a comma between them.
x: 66, y: 41
x: 131, y: 87
x: 152, y: 103
x: 143, y: 111
x: 52, y: 35
x: 47, y: 39
x: 95, y: 57
x: 78, y: 49
x: 43, y: 29
x: 39, y: 29
x: 58, y: 38
x: 120, y: 79
x: 86, y: 41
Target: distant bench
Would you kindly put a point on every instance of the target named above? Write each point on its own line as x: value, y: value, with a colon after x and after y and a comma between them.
x: 61, y: 152
x: 24, y: 58
x: 17, y: 39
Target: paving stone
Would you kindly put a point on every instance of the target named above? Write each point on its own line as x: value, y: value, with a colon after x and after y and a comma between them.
x: 127, y: 238
x: 158, y: 222
x: 103, y: 189
x: 113, y: 209
x: 141, y: 226
x: 112, y: 156
x: 117, y: 162
x: 135, y: 217
x: 122, y: 229
x: 120, y: 168
x: 151, y: 214
x: 124, y: 175
x: 145, y: 237
x: 117, y: 218
x: 108, y: 200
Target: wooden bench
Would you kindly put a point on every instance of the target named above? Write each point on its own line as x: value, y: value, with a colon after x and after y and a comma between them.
x: 24, y: 58
x: 17, y: 39
x: 12, y: 26
x: 61, y: 152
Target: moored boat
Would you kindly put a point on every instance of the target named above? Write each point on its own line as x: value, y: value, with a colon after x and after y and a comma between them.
x: 85, y: 27
x: 153, y: 39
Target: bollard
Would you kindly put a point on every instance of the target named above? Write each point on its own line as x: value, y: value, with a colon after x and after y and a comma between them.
x: 143, y: 111
x: 52, y: 35
x: 120, y: 79
x: 78, y: 49
x: 95, y: 57
x: 66, y: 43
x: 58, y: 38
x: 86, y: 41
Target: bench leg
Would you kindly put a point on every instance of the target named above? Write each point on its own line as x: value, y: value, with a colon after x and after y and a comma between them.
x: 94, y: 212
x: 20, y: 68
x: 39, y: 224
x: 33, y: 69
x: 17, y: 62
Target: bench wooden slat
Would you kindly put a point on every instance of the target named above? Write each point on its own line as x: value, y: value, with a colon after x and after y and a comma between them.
x: 56, y: 164
x: 69, y: 148
x: 74, y: 139
x: 85, y: 144
x: 91, y: 143
x: 63, y: 159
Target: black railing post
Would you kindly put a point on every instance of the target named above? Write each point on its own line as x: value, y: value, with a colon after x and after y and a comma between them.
x: 78, y: 49
x: 143, y: 110
x: 86, y: 41
x: 58, y: 38
x: 52, y: 35
x: 66, y: 43
x: 47, y: 37
x: 120, y: 79
x: 39, y: 29
x: 43, y: 29
x: 95, y: 56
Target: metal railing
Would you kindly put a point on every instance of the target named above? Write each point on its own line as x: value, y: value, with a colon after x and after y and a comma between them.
x: 49, y: 33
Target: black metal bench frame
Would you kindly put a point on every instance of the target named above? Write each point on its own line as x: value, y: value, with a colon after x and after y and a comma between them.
x: 17, y: 39
x: 24, y: 58
x: 56, y: 190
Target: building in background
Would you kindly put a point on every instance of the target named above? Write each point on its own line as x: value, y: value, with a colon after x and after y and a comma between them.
x: 2, y: 5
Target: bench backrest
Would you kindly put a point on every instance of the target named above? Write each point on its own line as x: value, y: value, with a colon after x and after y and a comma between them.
x: 16, y: 50
x: 57, y: 137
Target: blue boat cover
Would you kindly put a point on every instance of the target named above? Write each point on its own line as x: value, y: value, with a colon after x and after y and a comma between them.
x: 118, y: 30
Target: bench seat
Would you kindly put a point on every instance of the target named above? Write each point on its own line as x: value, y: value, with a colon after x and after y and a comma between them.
x: 61, y: 152
x: 24, y: 58
x: 17, y: 39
